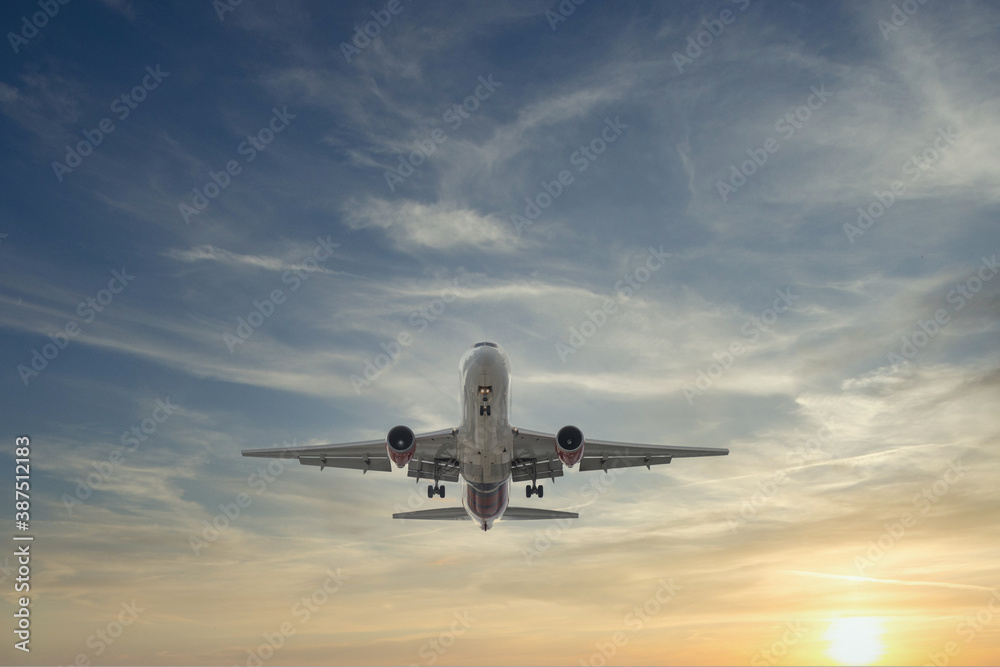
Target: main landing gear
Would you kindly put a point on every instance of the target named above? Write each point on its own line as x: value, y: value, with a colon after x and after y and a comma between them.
x: 435, y: 490
x: 534, y: 489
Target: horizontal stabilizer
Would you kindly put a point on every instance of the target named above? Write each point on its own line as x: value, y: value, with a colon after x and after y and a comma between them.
x: 511, y: 514
x: 530, y: 513
x: 440, y: 514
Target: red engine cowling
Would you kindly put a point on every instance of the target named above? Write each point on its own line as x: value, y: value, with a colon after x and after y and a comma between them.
x: 400, y: 445
x: 569, y: 445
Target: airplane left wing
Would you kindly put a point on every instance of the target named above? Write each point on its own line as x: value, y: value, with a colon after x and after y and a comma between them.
x: 367, y: 455
x: 538, y: 449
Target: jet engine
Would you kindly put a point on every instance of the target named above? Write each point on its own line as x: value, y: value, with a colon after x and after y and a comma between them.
x: 400, y: 444
x: 569, y: 445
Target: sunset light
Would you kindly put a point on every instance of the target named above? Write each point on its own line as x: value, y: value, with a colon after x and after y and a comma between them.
x: 855, y: 641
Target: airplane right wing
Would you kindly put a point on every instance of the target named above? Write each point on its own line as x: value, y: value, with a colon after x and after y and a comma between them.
x: 535, y: 453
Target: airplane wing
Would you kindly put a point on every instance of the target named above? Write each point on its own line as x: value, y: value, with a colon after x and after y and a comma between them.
x: 535, y: 453
x: 435, y: 449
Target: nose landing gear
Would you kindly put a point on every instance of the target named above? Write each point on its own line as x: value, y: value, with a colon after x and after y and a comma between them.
x: 485, y: 393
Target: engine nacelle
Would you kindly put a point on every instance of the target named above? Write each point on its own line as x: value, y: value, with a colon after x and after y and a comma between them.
x: 569, y: 445
x: 400, y: 445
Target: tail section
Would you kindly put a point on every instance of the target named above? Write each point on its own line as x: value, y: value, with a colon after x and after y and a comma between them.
x: 511, y: 514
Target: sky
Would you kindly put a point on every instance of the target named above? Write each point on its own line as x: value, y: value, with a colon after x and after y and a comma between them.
x: 771, y: 227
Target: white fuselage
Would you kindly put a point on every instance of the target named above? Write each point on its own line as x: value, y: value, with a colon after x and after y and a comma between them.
x: 485, y: 437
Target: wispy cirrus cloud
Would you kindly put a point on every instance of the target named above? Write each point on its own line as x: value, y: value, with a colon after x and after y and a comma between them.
x: 209, y: 253
x: 439, y: 226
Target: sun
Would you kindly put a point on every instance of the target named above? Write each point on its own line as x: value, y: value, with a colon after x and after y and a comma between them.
x: 856, y: 640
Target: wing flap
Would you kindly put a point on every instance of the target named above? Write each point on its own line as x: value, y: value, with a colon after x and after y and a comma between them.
x: 606, y: 463
x: 609, y: 448
x: 378, y: 464
x: 421, y: 468
x: 526, y: 470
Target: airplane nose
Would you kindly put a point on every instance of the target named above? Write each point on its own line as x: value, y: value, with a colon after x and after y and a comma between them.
x: 492, y: 357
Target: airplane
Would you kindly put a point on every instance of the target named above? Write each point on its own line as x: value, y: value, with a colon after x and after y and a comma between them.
x: 485, y: 451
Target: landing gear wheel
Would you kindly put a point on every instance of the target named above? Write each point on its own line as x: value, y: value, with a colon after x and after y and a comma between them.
x: 527, y: 491
x: 482, y: 410
x: 441, y: 490
x: 430, y: 491
x: 489, y: 411
x: 540, y: 491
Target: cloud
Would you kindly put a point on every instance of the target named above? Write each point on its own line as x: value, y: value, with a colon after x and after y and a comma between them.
x: 411, y: 225
x: 208, y: 253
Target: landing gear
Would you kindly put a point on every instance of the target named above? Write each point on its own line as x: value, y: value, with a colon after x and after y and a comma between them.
x: 484, y: 410
x: 435, y: 490
x: 485, y: 393
x: 533, y: 489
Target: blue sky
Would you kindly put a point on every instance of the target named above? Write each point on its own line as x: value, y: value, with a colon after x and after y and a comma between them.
x: 657, y: 209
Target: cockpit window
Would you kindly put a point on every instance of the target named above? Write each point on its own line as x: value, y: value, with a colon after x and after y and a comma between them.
x: 487, y: 343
